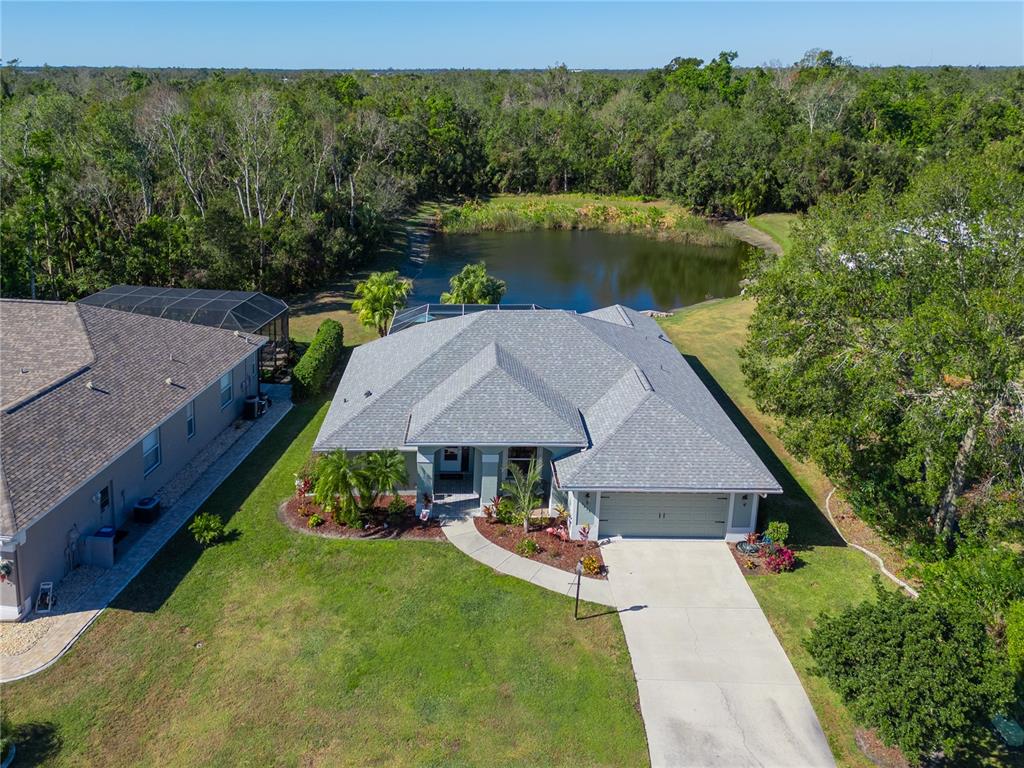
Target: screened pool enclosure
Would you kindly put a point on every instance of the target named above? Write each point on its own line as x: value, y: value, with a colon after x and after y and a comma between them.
x: 243, y: 311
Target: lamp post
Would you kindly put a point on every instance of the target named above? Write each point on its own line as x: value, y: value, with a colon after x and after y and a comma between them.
x: 579, y: 578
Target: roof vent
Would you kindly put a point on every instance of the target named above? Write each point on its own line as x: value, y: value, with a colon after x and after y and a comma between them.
x: 644, y: 381
x: 367, y: 393
x: 90, y: 385
x: 24, y: 370
x: 169, y: 381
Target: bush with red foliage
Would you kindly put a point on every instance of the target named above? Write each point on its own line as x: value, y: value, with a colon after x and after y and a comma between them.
x: 777, y: 560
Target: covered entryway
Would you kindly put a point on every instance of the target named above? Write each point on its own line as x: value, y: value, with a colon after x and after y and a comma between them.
x: 650, y: 515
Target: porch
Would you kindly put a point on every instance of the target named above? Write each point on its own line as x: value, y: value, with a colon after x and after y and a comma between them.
x: 461, y: 479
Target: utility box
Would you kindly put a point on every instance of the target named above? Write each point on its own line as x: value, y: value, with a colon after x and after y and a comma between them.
x: 99, y: 548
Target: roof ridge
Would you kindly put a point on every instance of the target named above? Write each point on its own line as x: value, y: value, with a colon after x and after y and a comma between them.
x: 474, y: 380
x: 367, y: 403
x: 535, y: 381
x: 497, y: 351
x: 587, y: 453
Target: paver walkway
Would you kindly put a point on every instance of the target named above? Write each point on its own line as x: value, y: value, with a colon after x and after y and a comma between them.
x: 716, y: 687
x: 462, y: 532
x: 68, y: 625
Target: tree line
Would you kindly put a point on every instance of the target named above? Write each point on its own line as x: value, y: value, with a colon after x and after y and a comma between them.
x: 281, y: 181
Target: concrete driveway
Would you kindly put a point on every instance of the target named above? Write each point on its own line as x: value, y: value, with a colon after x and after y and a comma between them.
x: 716, y: 688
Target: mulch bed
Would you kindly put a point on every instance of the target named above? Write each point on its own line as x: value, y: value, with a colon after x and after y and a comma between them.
x: 553, y: 551
x: 297, y: 510
x: 743, y: 562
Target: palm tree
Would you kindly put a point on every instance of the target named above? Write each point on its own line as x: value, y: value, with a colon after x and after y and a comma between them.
x: 380, y: 472
x: 521, y: 489
x: 474, y: 286
x: 379, y: 296
x: 336, y: 483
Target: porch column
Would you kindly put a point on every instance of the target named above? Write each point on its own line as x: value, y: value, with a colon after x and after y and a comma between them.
x: 424, y: 476
x: 490, y: 464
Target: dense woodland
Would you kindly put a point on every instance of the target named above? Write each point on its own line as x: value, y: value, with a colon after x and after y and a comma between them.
x: 282, y: 181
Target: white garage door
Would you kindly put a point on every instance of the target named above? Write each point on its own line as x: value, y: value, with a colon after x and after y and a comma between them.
x: 664, y: 514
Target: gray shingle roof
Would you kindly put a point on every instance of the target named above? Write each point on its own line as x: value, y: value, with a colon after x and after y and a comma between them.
x: 514, y: 378
x: 494, y: 398
x: 58, y: 435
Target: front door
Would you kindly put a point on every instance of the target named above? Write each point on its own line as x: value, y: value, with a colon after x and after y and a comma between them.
x: 451, y: 459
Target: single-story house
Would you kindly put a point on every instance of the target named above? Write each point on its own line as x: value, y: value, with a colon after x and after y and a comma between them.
x: 630, y: 440
x: 99, y: 408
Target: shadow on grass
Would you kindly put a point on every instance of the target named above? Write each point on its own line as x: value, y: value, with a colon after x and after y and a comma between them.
x: 148, y: 591
x: 808, y: 526
x: 36, y: 744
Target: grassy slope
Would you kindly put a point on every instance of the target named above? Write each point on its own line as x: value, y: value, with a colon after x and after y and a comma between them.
x: 832, y: 575
x: 284, y: 649
x: 775, y: 225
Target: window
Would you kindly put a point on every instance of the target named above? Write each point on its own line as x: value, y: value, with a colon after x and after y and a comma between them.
x: 225, y: 390
x: 151, y: 451
x: 190, y: 419
x: 521, y: 456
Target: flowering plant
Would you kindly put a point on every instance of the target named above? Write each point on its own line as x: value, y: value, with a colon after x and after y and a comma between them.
x: 779, y: 559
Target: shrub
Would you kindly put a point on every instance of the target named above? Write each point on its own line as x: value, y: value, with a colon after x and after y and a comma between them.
x: 6, y: 735
x: 918, y: 672
x: 779, y: 559
x: 977, y: 577
x: 310, y: 374
x: 527, y: 548
x: 591, y: 565
x: 314, y: 521
x: 396, y: 510
x: 506, y: 511
x: 777, y: 532
x: 207, y: 528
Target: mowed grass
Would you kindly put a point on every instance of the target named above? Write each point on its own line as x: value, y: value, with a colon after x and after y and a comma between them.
x: 832, y: 576
x: 776, y: 226
x: 302, y: 327
x: 278, y: 648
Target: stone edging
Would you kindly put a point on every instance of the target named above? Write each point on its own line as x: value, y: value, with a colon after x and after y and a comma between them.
x: 878, y: 560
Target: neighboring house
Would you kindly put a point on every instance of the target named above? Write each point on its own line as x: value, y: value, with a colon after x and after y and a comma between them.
x: 244, y: 311
x: 99, y: 408
x: 630, y: 440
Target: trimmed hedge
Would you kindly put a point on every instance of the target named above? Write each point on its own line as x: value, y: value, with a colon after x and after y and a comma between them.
x: 310, y: 374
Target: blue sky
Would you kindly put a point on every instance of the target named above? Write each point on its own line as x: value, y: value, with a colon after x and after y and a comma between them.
x: 610, y: 35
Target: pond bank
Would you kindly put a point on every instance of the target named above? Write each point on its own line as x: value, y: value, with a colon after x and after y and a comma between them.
x: 658, y: 219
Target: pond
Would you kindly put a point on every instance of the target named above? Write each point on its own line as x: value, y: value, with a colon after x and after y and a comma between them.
x: 584, y: 270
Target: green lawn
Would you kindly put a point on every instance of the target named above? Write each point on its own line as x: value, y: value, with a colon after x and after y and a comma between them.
x: 278, y: 648
x: 775, y: 225
x: 832, y: 576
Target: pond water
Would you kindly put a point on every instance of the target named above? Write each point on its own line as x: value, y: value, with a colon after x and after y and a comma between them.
x: 584, y: 270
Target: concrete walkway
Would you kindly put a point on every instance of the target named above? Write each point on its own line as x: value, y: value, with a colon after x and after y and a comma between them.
x: 462, y: 532
x: 716, y: 687
x: 72, y: 620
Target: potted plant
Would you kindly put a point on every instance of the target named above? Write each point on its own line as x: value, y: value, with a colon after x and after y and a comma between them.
x: 6, y: 569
